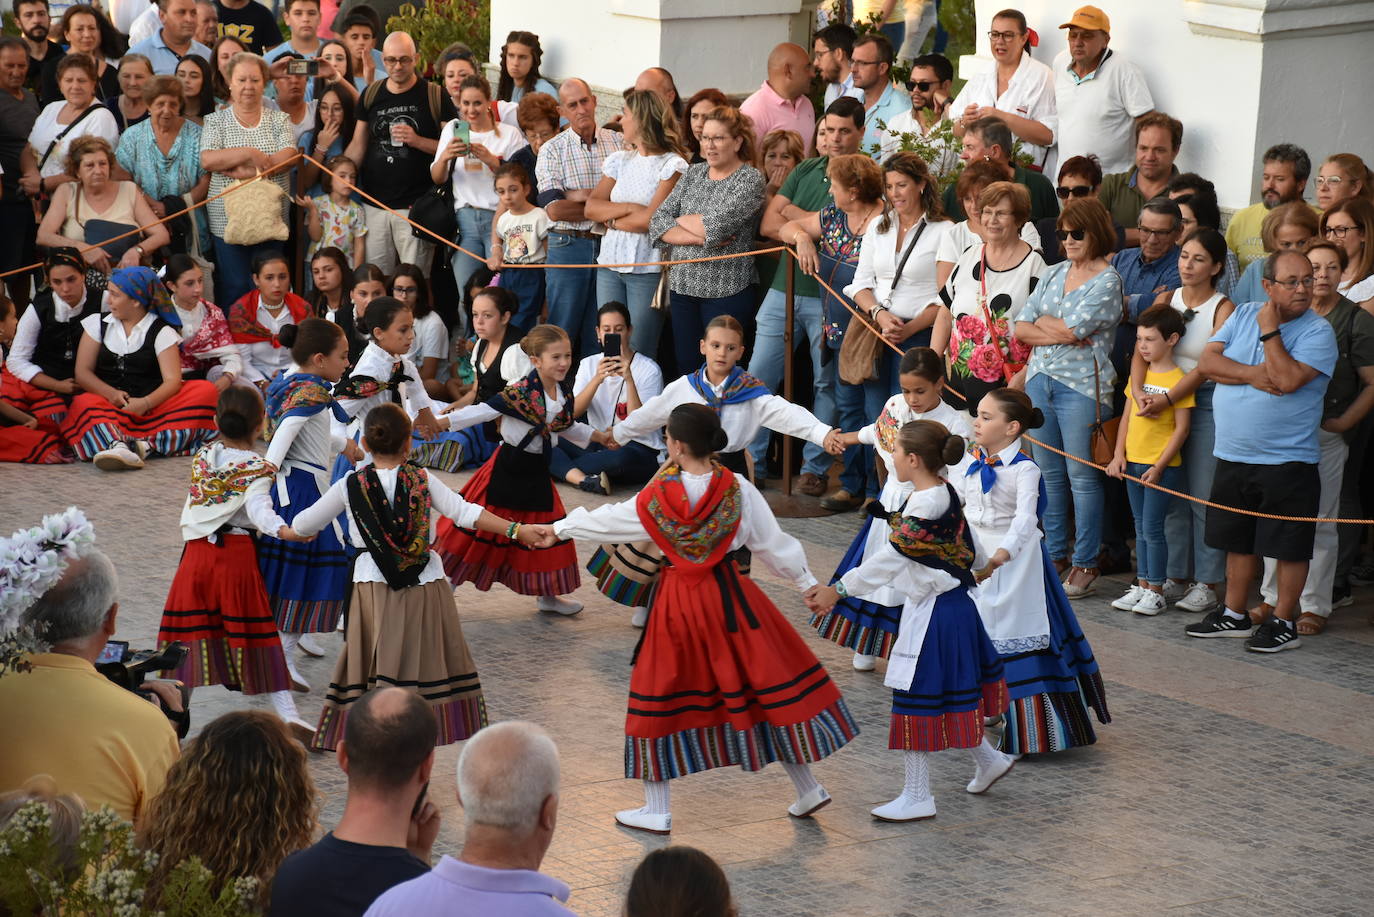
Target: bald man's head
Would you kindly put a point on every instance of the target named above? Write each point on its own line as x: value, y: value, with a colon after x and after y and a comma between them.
x: 389, y: 734
x: 659, y: 81
x: 789, y: 70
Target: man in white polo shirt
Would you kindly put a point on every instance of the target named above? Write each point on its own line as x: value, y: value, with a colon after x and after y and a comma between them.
x: 1098, y: 93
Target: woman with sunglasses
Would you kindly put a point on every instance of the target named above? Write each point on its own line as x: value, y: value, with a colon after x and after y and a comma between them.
x: 1201, y: 264
x: 1019, y: 90
x: 1070, y: 323
x: 1080, y: 177
x: 1350, y: 224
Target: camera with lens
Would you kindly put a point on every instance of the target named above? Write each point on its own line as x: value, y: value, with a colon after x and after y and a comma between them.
x: 130, y: 669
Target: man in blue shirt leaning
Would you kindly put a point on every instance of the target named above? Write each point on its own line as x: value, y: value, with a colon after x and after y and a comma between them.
x: 1271, y: 362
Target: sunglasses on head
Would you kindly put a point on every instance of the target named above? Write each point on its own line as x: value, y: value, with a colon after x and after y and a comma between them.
x: 1065, y: 234
x: 923, y: 85
x: 1067, y: 191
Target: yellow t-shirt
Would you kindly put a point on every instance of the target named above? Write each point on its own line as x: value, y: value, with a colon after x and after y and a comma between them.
x: 1243, y: 233
x: 1146, y: 437
x: 105, y: 744
x: 865, y: 8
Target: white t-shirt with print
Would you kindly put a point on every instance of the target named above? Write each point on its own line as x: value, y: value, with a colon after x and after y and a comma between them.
x: 524, y: 236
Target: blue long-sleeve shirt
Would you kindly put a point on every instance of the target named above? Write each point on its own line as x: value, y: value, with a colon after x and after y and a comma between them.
x: 1141, y: 281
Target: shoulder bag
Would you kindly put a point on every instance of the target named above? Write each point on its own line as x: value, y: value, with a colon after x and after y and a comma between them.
x: 859, y: 352
x: 434, y: 210
x: 252, y: 212
x: 1103, y: 435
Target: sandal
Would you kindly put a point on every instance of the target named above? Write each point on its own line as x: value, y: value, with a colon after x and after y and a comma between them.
x: 1309, y: 624
x: 1078, y: 590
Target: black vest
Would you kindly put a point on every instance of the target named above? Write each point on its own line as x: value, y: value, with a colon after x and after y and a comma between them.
x: 137, y: 373
x: 489, y: 381
x: 55, y: 351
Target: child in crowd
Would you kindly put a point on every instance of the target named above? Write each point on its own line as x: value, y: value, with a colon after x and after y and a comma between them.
x: 21, y: 437
x: 402, y: 626
x: 945, y: 675
x: 535, y: 413
x: 868, y: 623
x: 257, y: 319
x: 519, y: 236
x: 335, y: 218
x: 1148, y: 448
x: 208, y: 350
x: 494, y: 362
x: 217, y: 604
x: 713, y: 634
x: 332, y: 280
x: 609, y: 387
x: 430, y: 345
x: 368, y: 283
x: 306, y: 583
x: 1052, y: 677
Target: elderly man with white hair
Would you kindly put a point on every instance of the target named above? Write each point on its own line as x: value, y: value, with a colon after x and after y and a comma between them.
x: 63, y: 718
x: 508, y: 787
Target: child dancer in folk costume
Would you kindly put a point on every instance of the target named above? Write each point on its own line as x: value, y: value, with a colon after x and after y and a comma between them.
x: 402, y: 626
x: 868, y: 623
x: 626, y: 573
x: 217, y: 605
x: 23, y: 436
x: 307, y: 584
x: 515, y: 482
x: 720, y: 677
x: 1051, y: 674
x: 944, y: 673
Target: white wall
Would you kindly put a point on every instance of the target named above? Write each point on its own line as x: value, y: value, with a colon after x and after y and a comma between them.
x: 1240, y: 74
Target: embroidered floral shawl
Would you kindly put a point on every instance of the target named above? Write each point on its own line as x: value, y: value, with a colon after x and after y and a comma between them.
x: 247, y: 329
x: 395, y: 531
x: 945, y: 543
x: 524, y: 400
x: 700, y: 536
x: 739, y: 387
x: 299, y: 395
x: 213, y: 334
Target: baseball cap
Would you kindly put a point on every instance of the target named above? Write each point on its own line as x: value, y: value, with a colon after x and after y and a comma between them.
x: 1089, y: 17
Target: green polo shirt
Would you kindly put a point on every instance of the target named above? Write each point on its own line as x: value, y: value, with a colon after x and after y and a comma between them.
x: 807, y: 187
x: 1042, y: 198
x: 1122, y: 198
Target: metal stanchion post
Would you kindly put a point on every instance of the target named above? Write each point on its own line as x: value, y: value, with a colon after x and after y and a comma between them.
x: 787, y: 344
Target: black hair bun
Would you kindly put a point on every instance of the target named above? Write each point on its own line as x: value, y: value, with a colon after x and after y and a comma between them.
x: 287, y: 335
x: 953, y: 449
x: 719, y: 441
x: 1037, y: 419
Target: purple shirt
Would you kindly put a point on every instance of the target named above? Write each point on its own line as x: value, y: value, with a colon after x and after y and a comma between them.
x: 770, y: 111
x: 457, y: 889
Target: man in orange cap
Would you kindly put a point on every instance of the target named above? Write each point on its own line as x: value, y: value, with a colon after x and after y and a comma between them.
x: 1099, y: 94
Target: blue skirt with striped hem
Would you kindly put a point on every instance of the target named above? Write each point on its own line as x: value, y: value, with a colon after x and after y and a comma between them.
x: 863, y: 626
x: 307, y: 582
x: 1053, y: 688
x: 452, y: 451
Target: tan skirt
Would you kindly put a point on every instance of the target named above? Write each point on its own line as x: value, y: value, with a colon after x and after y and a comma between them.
x: 411, y: 639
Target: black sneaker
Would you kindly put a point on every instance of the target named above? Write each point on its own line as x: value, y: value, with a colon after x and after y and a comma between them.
x: 596, y: 484
x: 1217, y: 624
x: 1273, y: 636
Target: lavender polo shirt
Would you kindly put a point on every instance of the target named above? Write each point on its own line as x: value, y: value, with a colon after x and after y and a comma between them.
x: 457, y: 889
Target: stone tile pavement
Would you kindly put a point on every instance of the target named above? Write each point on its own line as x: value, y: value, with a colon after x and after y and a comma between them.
x: 1230, y: 783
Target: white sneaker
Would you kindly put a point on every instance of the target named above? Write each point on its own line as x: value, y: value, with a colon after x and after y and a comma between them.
x: 640, y: 616
x: 904, y: 809
x: 1201, y: 597
x: 309, y: 645
x: 1151, y: 603
x: 864, y: 663
x: 1174, y: 589
x: 558, y: 606
x: 1132, y: 597
x: 142, y: 448
x: 118, y: 457
x: 984, y: 779
x: 806, y: 805
x: 644, y: 821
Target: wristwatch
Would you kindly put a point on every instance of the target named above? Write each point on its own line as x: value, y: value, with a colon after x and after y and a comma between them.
x: 1271, y: 334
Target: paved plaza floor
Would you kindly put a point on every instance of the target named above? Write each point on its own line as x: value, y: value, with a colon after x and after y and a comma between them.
x: 1229, y: 783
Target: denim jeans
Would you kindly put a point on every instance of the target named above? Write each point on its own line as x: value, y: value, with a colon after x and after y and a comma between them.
x: 474, y: 234
x: 1069, y: 417
x: 1190, y: 557
x: 572, y: 291
x: 528, y: 286
x: 768, y: 361
x: 636, y: 291
x: 632, y: 463
x: 691, y: 315
x: 859, y: 406
x: 1150, y: 506
x: 234, y: 269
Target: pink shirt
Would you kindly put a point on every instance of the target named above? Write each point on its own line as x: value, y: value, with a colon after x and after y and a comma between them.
x: 770, y: 111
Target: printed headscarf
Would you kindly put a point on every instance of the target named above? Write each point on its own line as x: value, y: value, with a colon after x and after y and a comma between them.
x: 143, y: 285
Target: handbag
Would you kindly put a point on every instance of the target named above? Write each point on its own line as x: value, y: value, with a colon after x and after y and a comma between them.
x: 1103, y: 435
x: 434, y: 210
x: 859, y: 352
x: 1009, y: 368
x: 661, y: 301
x: 252, y: 212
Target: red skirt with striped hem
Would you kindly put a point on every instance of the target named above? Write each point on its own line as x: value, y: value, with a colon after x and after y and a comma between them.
x: 963, y: 729
x: 179, y: 426
x: 217, y: 606
x: 408, y: 638
x: 723, y: 678
x: 42, y: 445
x: 482, y: 558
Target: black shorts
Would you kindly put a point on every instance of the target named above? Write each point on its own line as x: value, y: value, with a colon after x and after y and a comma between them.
x: 1290, y: 489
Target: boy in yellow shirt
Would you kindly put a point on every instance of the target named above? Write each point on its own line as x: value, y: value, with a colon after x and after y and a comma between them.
x: 1148, y: 448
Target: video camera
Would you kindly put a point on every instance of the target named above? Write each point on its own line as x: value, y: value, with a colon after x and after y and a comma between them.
x: 129, y: 670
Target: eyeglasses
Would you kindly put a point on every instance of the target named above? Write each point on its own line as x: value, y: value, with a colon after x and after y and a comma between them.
x: 1153, y: 233
x: 1296, y: 282
x: 922, y: 85
x: 855, y: 62
x: 1003, y: 36
x: 1065, y: 234
x: 713, y: 139
x: 1339, y: 232
x: 1334, y: 181
x: 404, y: 291
x: 1067, y: 191
x: 397, y: 61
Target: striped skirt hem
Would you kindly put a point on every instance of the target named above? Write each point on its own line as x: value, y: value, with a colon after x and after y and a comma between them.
x: 947, y: 729
x: 1054, y: 721
x: 457, y: 720
x: 302, y: 616
x: 693, y: 750
x: 252, y: 670
x: 841, y: 627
